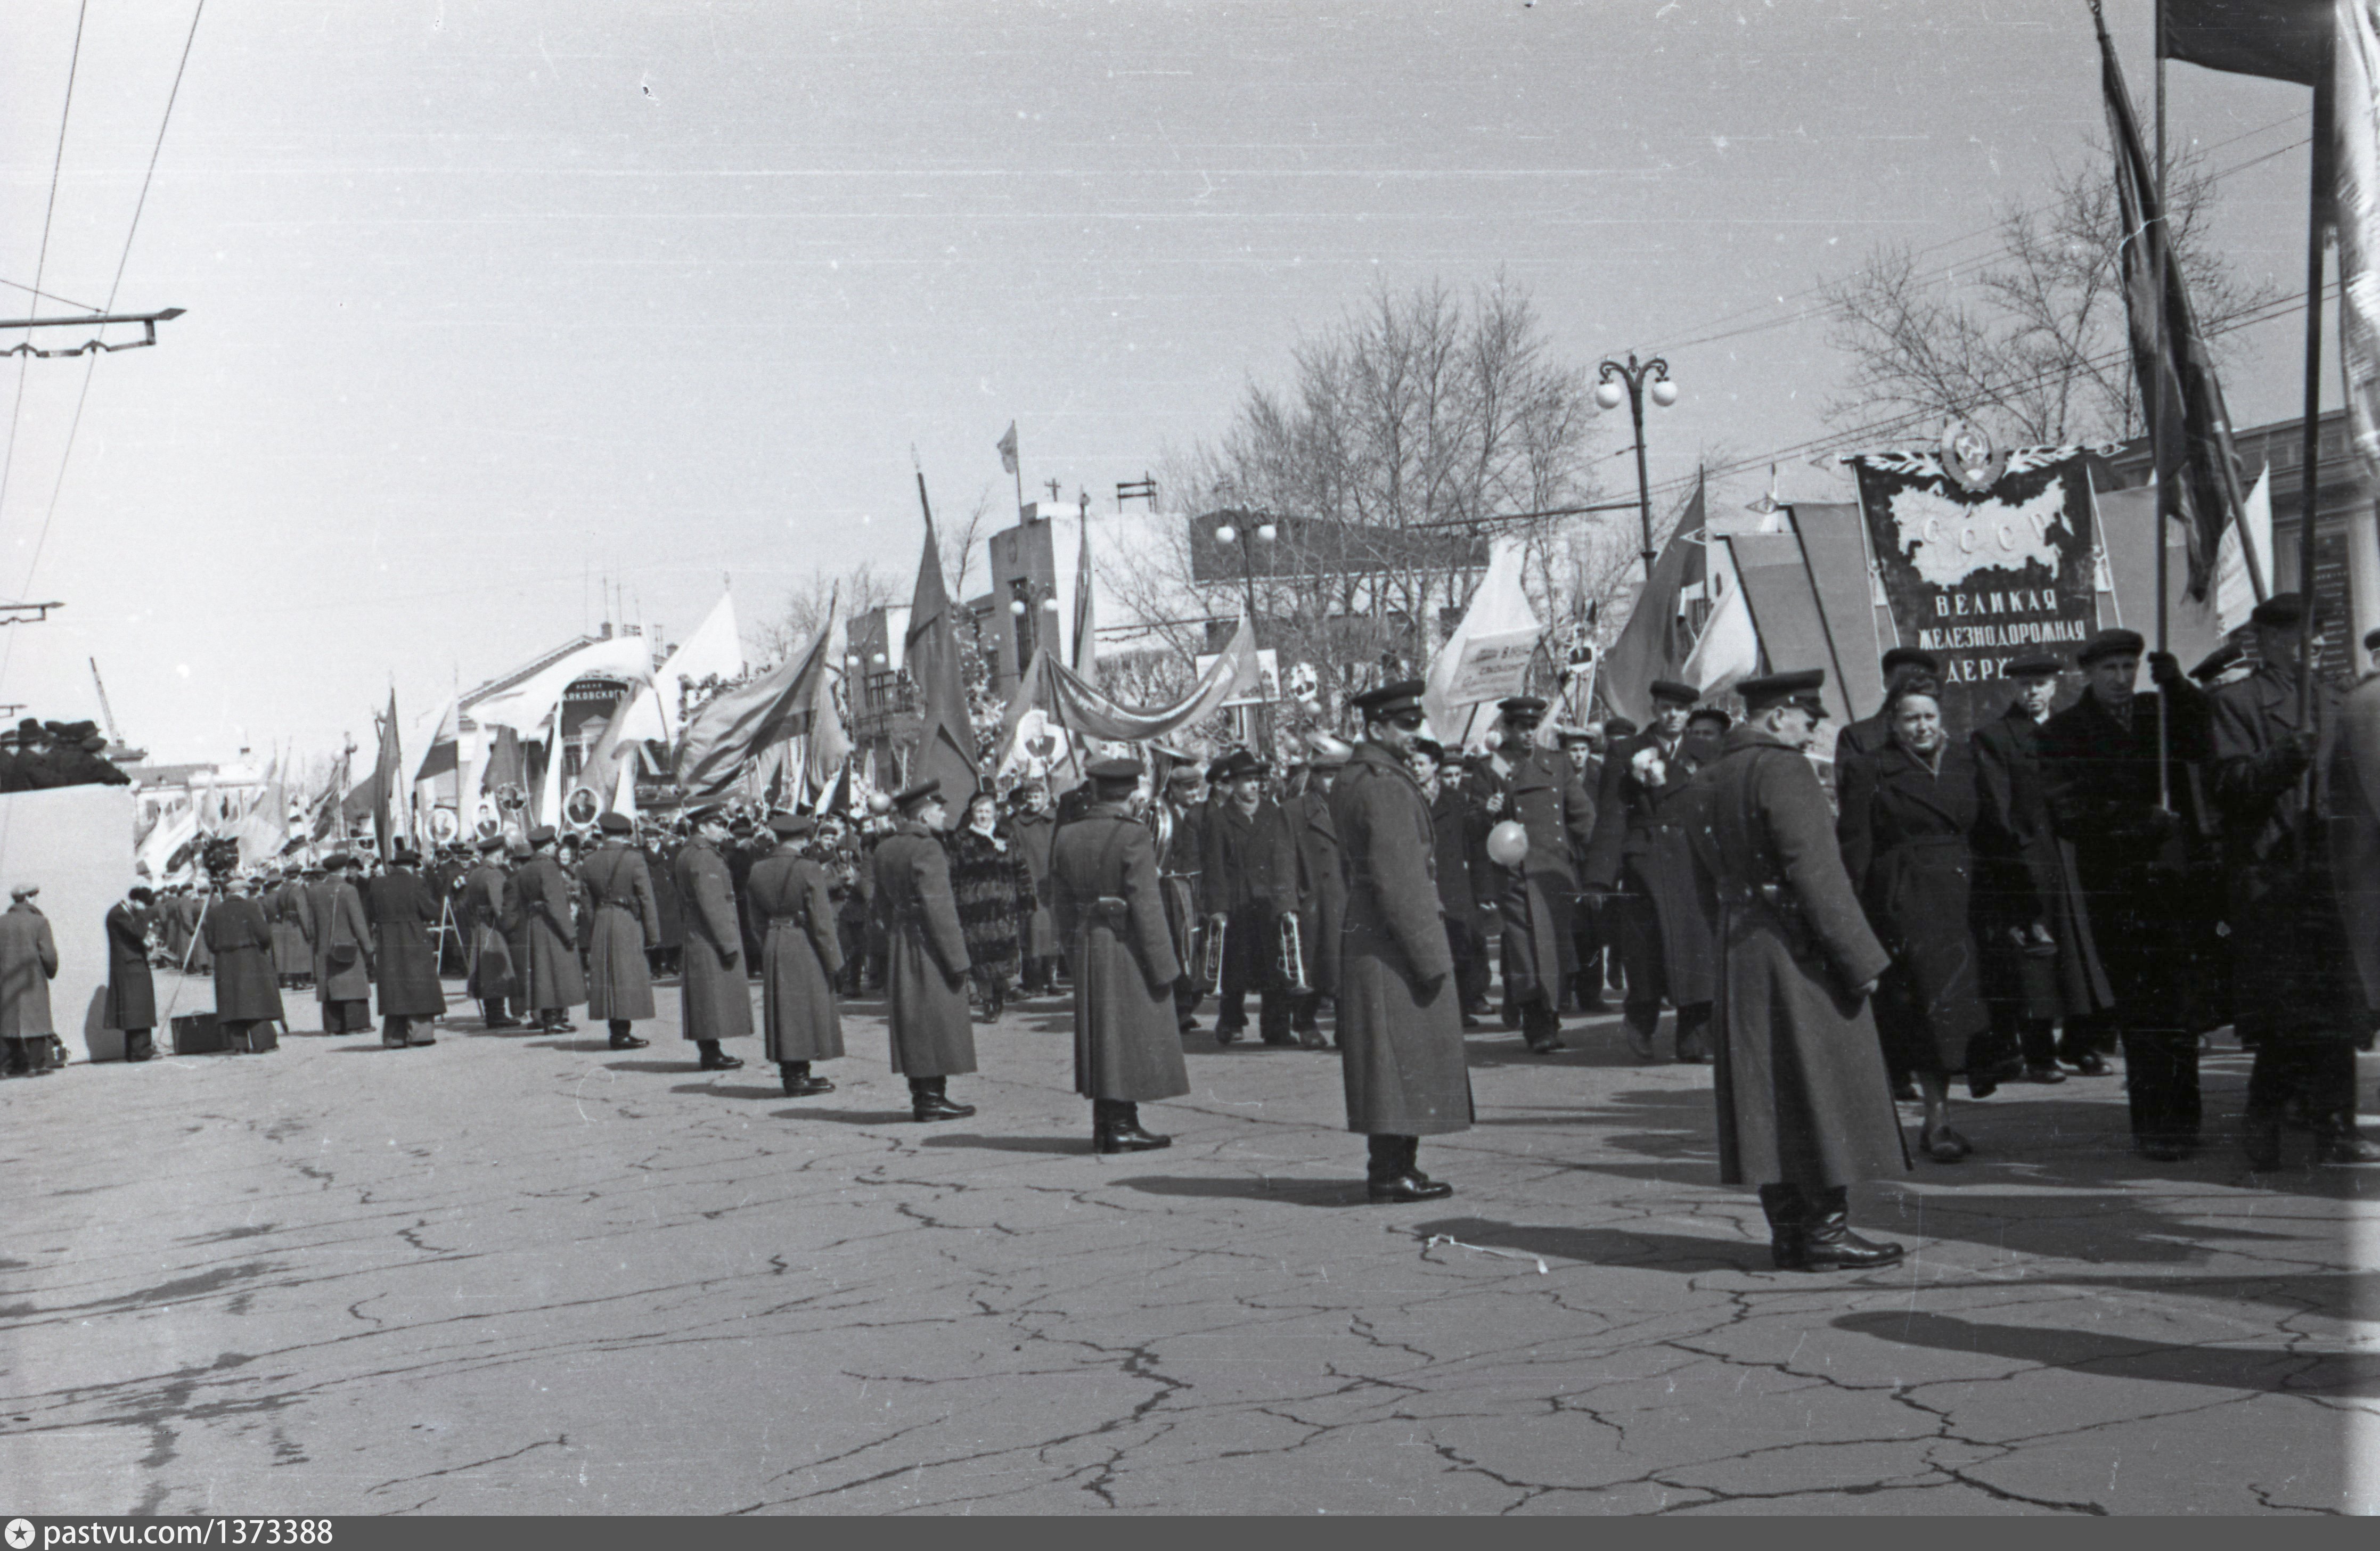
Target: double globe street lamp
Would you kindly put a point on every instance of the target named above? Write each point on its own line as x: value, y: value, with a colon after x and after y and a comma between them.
x: 1630, y: 381
x: 1265, y: 532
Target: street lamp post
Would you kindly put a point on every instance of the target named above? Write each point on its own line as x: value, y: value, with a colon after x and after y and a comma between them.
x: 1607, y: 394
x: 1265, y: 532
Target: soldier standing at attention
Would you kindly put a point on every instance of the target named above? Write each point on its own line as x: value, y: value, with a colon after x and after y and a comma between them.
x: 1804, y: 1108
x: 626, y: 922
x: 926, y: 970
x: 1535, y: 900
x: 1640, y: 850
x: 2298, y: 999
x: 1109, y: 913
x: 1400, y: 1012
x: 800, y: 955
x: 548, y: 963
x: 718, y: 1000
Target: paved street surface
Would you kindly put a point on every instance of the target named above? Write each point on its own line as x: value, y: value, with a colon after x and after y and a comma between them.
x: 516, y: 1273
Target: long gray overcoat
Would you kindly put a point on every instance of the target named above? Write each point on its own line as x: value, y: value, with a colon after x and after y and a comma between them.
x: 241, y: 940
x: 627, y: 920
x: 285, y: 908
x: 1401, y: 1045
x: 131, y: 989
x: 29, y: 962
x: 340, y: 927
x: 1110, y: 914
x: 800, y: 956
x: 717, y: 997
x: 932, y: 1036
x: 484, y: 892
x: 550, y: 965
x: 404, y: 909
x: 1325, y: 916
x: 1535, y: 900
x: 1800, y: 1082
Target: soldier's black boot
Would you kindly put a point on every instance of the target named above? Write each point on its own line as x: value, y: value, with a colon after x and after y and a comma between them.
x: 799, y: 1083
x: 1829, y: 1244
x: 2260, y: 1137
x: 1541, y: 1025
x: 714, y: 1059
x: 1638, y: 1022
x: 555, y: 1020
x: 492, y: 1014
x: 1395, y: 1176
x: 1787, y: 1247
x: 1115, y: 1128
x: 928, y: 1101
x: 623, y: 1040
x: 138, y: 1046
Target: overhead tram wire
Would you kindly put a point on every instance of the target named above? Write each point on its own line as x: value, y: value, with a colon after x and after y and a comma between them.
x: 50, y: 296
x: 41, y: 259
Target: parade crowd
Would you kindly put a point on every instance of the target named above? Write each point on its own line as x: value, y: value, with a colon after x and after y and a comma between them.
x: 2022, y: 903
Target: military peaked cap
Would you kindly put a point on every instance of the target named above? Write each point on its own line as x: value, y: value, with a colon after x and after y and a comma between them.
x: 616, y: 824
x: 494, y: 843
x: 1521, y: 707
x: 792, y: 826
x: 1799, y: 688
x: 2282, y: 611
x: 1114, y: 769
x: 1389, y: 699
x: 542, y: 835
x: 917, y: 796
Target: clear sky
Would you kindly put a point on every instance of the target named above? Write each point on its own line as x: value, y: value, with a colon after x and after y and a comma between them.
x: 488, y: 301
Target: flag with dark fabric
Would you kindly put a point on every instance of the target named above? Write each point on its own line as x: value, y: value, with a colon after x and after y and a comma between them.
x: 2198, y: 470
x: 2281, y: 40
x: 945, y: 748
x: 1656, y: 641
x: 735, y: 726
x: 387, y: 774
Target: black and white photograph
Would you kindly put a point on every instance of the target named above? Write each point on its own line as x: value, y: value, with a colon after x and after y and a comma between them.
x: 1163, y: 758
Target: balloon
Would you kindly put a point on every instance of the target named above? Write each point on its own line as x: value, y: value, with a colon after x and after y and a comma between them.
x: 1507, y: 843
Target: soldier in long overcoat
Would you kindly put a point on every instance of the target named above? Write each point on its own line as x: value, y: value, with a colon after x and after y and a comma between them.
x: 342, y: 949
x: 1033, y: 828
x: 1535, y: 900
x: 1640, y: 850
x: 404, y: 909
x: 1400, y: 1012
x: 514, y: 920
x: 29, y: 962
x: 1182, y: 855
x: 2139, y: 865
x: 933, y: 1038
x: 131, y: 989
x: 548, y: 962
x: 2032, y: 923
x: 1457, y: 829
x: 660, y: 852
x: 801, y: 952
x: 1253, y: 876
x: 490, y: 979
x: 1110, y: 911
x: 1907, y: 813
x: 240, y: 939
x: 2300, y: 1004
x: 1582, y: 746
x: 624, y: 921
x: 1804, y: 1108
x: 716, y: 994
x: 1325, y: 913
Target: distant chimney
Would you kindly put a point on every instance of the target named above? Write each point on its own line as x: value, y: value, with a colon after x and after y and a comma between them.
x: 606, y: 634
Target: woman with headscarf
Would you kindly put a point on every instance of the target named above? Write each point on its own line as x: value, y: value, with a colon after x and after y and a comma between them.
x: 992, y: 879
x: 1909, y: 809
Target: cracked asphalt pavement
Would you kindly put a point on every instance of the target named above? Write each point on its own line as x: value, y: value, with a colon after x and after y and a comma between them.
x: 520, y: 1273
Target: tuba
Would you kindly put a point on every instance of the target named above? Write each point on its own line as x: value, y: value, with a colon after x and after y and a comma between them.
x: 1292, y: 953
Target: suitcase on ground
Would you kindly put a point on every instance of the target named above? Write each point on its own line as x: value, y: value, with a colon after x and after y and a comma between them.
x: 198, y: 1034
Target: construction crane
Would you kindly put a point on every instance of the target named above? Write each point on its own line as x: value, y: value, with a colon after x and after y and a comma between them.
x: 118, y: 751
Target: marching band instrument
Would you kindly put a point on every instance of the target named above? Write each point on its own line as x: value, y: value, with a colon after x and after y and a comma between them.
x: 1210, y: 964
x: 1292, y: 953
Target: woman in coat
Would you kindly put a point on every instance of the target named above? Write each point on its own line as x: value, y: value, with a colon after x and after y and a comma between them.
x: 29, y: 962
x: 131, y: 990
x: 800, y: 955
x: 1908, y: 813
x: 343, y: 947
x: 992, y: 879
x: 240, y: 939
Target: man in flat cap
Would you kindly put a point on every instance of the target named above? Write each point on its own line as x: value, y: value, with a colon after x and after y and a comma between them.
x: 933, y: 1036
x: 549, y: 963
x: 2139, y: 851
x: 715, y: 991
x: 342, y: 948
x: 1871, y: 733
x: 484, y: 919
x: 800, y: 955
x: 1584, y: 746
x: 627, y: 922
x: 1326, y: 901
x: 131, y: 989
x: 1400, y: 1012
x: 2039, y: 963
x: 1536, y: 788
x: 403, y: 910
x: 1253, y: 876
x: 1640, y: 862
x: 2299, y: 1002
x: 1805, y: 1109
x: 1181, y: 824
x: 1110, y: 912
x: 29, y: 962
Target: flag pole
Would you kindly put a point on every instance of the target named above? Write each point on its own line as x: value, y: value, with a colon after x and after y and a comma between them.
x: 2321, y: 180
x: 2163, y: 254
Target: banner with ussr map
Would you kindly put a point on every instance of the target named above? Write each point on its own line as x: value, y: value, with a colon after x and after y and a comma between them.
x: 1984, y: 557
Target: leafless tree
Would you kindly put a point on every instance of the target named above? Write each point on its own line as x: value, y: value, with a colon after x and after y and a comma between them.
x: 2028, y: 340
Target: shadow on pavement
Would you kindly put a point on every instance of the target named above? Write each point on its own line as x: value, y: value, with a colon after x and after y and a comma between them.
x: 1293, y: 1192
x: 2276, y: 1370
x: 717, y: 1092
x: 1604, y: 1246
x: 1079, y: 1146
x: 676, y: 1068
x: 566, y: 1042
x: 850, y: 1117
